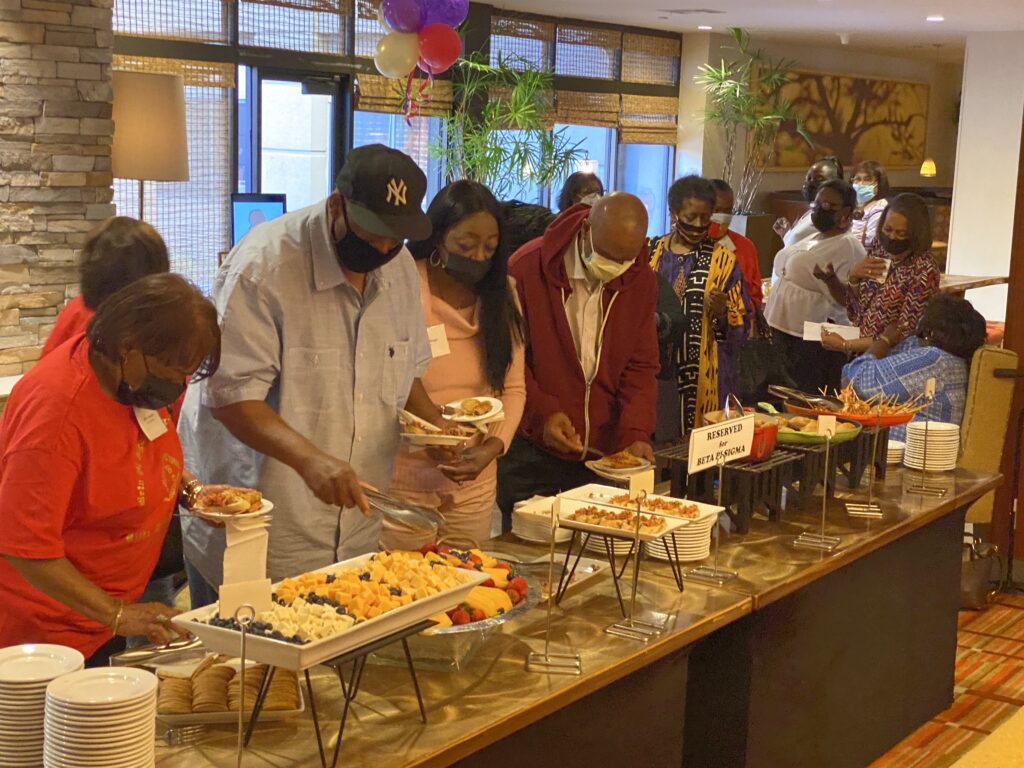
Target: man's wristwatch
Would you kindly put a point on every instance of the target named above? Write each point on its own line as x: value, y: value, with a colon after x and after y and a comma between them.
x: 189, y: 493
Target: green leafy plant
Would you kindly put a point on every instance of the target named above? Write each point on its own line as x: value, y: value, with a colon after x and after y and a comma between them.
x: 497, y: 132
x: 745, y: 98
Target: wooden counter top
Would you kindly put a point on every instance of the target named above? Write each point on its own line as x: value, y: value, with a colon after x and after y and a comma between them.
x: 493, y: 696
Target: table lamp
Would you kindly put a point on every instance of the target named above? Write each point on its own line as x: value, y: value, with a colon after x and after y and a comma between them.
x: 150, y: 141
x: 928, y: 168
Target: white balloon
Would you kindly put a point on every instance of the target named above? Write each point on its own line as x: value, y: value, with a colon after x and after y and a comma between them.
x: 397, y: 53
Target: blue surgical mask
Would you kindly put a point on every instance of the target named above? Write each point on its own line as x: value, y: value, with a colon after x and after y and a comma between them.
x: 865, y: 193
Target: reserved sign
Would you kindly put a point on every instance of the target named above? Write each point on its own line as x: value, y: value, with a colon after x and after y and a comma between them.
x: 721, y: 443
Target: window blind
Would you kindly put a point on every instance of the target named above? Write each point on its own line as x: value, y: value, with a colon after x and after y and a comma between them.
x: 648, y: 120
x: 369, y: 30
x: 376, y: 93
x: 195, y: 20
x: 313, y: 26
x: 522, y: 42
x: 581, y: 108
x: 650, y: 59
x: 192, y: 216
x: 588, y: 52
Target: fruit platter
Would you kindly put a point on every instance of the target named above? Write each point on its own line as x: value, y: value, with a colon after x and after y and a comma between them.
x: 322, y: 614
x: 503, y: 595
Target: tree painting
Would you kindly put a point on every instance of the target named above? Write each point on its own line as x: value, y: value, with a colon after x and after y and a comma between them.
x: 854, y: 119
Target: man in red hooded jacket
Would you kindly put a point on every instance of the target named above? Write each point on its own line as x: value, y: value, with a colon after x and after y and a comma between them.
x: 588, y: 298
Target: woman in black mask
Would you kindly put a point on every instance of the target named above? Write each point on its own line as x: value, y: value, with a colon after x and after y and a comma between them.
x: 823, y: 170
x: 887, y: 292
x: 91, y: 470
x: 476, y: 335
x: 798, y: 295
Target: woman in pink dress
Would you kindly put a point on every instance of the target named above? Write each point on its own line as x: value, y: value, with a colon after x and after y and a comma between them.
x: 476, y: 333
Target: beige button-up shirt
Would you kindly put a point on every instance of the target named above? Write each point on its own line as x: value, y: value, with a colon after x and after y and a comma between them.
x: 584, y: 310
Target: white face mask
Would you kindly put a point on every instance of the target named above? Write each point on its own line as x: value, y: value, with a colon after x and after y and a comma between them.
x: 719, y: 226
x: 590, y: 199
x: 601, y: 267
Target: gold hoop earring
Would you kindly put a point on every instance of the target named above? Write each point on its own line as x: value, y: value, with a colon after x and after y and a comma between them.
x: 435, y: 259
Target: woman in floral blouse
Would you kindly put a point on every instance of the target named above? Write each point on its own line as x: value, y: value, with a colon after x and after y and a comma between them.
x: 888, y: 290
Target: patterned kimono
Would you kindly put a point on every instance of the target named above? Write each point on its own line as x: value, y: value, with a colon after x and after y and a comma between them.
x: 706, y: 359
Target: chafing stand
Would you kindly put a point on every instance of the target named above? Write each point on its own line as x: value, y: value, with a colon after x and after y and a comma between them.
x: 713, y: 575
x: 820, y: 541
x: 869, y: 509
x: 924, y: 488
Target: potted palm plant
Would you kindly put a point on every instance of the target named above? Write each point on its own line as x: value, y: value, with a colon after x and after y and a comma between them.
x: 745, y: 98
x: 498, y: 131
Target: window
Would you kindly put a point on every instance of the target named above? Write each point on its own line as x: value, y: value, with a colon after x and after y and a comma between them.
x: 415, y: 140
x: 522, y: 189
x: 645, y: 170
x: 598, y: 148
x: 299, y: 25
x: 295, y: 142
x: 244, y: 91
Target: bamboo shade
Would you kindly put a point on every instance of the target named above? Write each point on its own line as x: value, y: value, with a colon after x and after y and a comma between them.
x: 520, y: 42
x: 314, y: 26
x: 580, y: 108
x: 650, y: 59
x: 587, y: 52
x: 203, y: 21
x: 648, y: 120
x: 376, y: 93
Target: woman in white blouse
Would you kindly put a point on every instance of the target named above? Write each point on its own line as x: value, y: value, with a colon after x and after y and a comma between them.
x: 798, y: 296
x: 871, y: 185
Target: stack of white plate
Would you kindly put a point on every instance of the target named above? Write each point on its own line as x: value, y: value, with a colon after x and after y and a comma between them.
x: 943, y: 446
x: 101, y: 717
x: 531, y: 521
x: 25, y: 671
x: 895, y: 452
x: 620, y: 547
x: 692, y: 541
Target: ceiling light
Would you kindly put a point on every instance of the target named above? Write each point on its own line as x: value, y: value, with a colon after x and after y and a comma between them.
x: 705, y: 28
x: 936, y: 18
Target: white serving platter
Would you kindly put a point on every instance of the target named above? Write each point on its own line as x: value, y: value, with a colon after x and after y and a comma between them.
x: 287, y: 655
x: 601, y: 495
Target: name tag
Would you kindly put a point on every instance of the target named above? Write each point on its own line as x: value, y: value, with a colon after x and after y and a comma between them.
x: 438, y: 338
x: 151, y: 423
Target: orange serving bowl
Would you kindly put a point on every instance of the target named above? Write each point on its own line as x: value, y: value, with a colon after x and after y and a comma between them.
x: 766, y: 431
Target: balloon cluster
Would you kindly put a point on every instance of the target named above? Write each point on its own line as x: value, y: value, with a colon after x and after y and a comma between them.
x: 420, y: 32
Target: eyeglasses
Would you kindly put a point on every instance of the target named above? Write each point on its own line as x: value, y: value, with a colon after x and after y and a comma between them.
x: 816, y: 206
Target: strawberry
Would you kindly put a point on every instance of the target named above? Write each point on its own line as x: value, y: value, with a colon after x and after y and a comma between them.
x: 514, y: 596
x: 506, y: 566
x: 459, y: 616
x: 476, y: 559
x: 428, y: 548
x: 443, y: 549
x: 488, y: 583
x: 518, y: 584
x: 477, y: 615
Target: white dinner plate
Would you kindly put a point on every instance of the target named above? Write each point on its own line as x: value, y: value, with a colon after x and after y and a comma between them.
x: 496, y: 409
x: 435, y: 439
x: 264, y: 509
x: 103, y: 686
x: 33, y: 663
x: 130, y: 742
x: 561, y: 537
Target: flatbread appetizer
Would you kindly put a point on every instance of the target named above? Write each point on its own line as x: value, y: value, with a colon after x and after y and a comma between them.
x: 229, y: 500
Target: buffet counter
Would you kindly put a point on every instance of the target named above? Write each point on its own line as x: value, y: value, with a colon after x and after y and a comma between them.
x: 806, y: 658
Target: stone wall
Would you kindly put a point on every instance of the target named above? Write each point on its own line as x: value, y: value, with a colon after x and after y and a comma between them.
x: 55, y: 180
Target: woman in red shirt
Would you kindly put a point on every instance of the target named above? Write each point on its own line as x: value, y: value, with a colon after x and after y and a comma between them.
x: 91, y: 469
x: 119, y: 251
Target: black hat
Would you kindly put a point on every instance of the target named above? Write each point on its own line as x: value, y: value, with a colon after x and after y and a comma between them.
x: 384, y: 190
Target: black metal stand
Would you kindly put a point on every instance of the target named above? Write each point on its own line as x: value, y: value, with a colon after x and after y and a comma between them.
x: 349, y: 686
x: 617, y: 573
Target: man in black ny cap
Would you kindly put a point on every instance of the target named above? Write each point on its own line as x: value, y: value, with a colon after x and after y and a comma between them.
x: 323, y: 341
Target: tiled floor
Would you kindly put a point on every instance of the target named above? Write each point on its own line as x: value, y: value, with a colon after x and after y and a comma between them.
x: 989, y: 688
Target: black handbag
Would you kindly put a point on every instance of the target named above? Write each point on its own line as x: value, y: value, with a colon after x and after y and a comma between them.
x: 976, y: 574
x: 760, y: 362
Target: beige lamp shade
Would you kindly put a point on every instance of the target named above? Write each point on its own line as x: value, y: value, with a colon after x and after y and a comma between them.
x: 150, y: 141
x: 928, y: 168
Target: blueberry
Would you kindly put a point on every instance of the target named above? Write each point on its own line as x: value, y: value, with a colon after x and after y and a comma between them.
x: 396, y: 591
x: 331, y: 578
x: 364, y: 576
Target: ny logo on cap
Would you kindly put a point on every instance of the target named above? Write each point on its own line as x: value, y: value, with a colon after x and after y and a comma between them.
x: 396, y: 192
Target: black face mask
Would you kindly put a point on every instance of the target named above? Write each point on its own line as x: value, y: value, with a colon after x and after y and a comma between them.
x: 466, y: 271
x: 810, y: 190
x: 690, y: 232
x: 823, y: 221
x: 892, y: 246
x: 153, y: 393
x: 357, y: 255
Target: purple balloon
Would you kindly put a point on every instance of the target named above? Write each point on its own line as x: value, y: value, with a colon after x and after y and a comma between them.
x: 450, y: 12
x: 403, y: 15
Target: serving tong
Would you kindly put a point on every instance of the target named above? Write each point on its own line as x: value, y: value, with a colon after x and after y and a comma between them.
x: 409, y: 515
x: 815, y: 402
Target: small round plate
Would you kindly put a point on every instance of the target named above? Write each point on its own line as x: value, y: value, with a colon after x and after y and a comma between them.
x: 36, y: 663
x: 103, y: 686
x: 220, y: 517
x: 495, y: 403
x: 435, y: 439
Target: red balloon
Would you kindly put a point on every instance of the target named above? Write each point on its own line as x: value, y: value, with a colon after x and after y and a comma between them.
x: 426, y: 68
x: 440, y: 46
